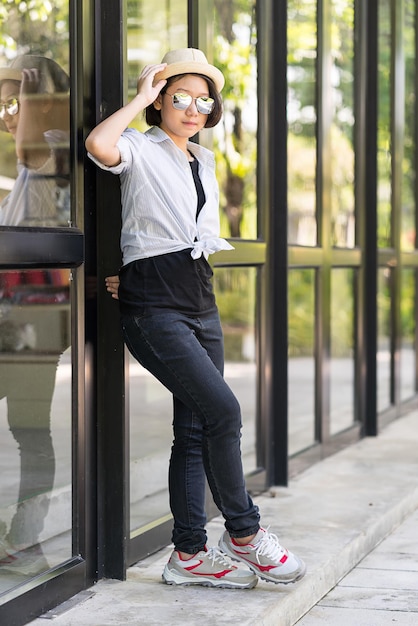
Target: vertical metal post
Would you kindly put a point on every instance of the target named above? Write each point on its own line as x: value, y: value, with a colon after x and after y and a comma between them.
x: 272, y: 194
x: 112, y: 417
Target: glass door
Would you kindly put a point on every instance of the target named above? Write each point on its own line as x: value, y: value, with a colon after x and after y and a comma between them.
x: 40, y: 339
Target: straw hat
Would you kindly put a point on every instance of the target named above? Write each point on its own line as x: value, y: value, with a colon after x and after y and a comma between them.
x: 190, y: 61
x: 52, y: 77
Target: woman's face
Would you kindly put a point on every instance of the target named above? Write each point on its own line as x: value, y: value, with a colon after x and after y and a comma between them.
x: 9, y: 90
x: 181, y: 125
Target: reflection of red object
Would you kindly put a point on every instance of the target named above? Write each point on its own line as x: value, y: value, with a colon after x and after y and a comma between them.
x: 8, y: 280
x: 25, y: 283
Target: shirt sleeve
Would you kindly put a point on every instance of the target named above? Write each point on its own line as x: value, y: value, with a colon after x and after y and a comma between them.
x: 124, y: 146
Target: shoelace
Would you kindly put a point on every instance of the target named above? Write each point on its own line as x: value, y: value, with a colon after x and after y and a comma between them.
x: 270, y: 547
x: 216, y: 556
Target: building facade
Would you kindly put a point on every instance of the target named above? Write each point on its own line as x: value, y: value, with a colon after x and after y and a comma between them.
x: 316, y: 160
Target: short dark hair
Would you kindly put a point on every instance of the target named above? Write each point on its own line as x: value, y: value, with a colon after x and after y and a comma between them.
x: 153, y: 116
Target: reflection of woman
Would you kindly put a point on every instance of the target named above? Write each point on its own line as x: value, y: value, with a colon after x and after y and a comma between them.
x: 170, y: 321
x: 34, y: 110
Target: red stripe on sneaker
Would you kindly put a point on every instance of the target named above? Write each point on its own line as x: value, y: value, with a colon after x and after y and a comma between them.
x: 262, y: 568
x: 191, y: 567
x: 221, y: 574
x: 215, y: 575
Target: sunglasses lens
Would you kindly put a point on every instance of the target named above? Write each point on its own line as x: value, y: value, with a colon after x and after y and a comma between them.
x: 11, y: 108
x: 181, y: 101
x: 205, y: 105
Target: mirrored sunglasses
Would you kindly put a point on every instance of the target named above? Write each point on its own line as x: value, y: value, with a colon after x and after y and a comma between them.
x: 11, y: 107
x: 182, y: 101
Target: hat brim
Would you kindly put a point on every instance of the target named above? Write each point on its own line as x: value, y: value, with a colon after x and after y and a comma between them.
x: 10, y: 73
x: 193, y: 67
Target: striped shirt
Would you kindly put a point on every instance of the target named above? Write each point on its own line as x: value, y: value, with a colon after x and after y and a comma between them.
x: 159, y: 197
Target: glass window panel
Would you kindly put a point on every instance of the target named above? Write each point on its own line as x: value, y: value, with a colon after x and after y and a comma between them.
x: 341, y: 163
x: 302, y: 117
x: 150, y: 411
x: 301, y: 286
x: 236, y: 297
x: 407, y: 360
x: 384, y: 157
x: 35, y: 423
x: 34, y: 114
x: 408, y: 234
x: 151, y: 404
x: 235, y: 138
x: 153, y: 28
x: 384, y: 321
x: 342, y: 350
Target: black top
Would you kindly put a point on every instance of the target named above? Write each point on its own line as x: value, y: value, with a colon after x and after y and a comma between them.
x: 172, y: 281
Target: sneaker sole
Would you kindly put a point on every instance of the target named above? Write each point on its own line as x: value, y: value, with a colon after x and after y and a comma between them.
x: 282, y: 581
x: 171, y: 577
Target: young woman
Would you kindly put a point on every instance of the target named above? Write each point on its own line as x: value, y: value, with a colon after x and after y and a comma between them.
x: 169, y: 316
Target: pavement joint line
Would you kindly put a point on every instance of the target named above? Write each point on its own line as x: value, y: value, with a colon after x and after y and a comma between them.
x: 289, y: 609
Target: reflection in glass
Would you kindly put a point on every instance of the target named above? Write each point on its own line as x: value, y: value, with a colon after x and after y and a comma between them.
x: 302, y: 117
x: 341, y: 163
x: 150, y: 418
x: 35, y: 423
x: 407, y: 357
x: 301, y: 319
x: 151, y: 407
x: 384, y: 320
x: 235, y: 139
x: 153, y: 28
x: 235, y: 290
x: 342, y: 350
x: 34, y: 155
x: 408, y: 234
x: 384, y: 157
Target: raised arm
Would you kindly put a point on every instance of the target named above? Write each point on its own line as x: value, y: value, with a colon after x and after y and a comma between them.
x: 102, y: 140
x: 32, y: 148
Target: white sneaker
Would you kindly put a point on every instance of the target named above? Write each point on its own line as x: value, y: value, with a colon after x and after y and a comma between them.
x: 209, y: 568
x: 266, y: 557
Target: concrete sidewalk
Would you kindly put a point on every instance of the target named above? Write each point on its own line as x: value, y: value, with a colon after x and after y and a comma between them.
x: 380, y: 591
x: 333, y: 515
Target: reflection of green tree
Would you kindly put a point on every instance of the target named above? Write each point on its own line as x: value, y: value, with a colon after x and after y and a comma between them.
x: 31, y: 27
x: 384, y: 164
x: 235, y: 297
x: 35, y: 27
x: 342, y: 313
x: 301, y: 317
x: 409, y: 158
x: 408, y: 306
x: 236, y: 150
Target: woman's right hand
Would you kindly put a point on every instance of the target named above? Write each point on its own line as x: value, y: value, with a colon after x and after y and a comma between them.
x: 145, y: 86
